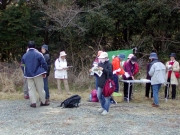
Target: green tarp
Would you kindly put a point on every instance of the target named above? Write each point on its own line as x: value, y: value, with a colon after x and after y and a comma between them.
x: 116, y: 53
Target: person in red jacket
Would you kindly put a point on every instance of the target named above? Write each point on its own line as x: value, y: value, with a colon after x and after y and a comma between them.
x: 117, y: 70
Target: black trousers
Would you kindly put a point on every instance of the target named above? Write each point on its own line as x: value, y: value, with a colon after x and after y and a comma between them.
x: 173, y: 90
x: 126, y: 89
x: 148, y: 88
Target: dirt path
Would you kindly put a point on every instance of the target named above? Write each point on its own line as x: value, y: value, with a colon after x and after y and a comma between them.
x: 17, y: 118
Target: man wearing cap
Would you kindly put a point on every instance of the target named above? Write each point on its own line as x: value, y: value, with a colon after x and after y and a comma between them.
x: 172, y: 67
x: 117, y: 69
x: 129, y: 67
x: 45, y: 52
x: 157, y: 72
x: 35, y: 68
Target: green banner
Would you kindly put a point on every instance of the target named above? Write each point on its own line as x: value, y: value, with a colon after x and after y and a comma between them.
x: 116, y: 53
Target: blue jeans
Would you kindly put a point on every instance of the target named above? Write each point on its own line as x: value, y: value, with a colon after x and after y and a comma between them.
x: 104, y: 101
x: 46, y: 88
x: 116, y: 81
x: 156, y: 89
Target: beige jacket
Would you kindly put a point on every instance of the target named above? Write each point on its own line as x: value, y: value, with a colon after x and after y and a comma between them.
x: 175, y: 68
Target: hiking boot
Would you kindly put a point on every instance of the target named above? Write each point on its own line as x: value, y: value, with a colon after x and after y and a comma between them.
x: 47, y: 100
x: 100, y: 110
x: 104, y: 112
x: 33, y: 105
x: 46, y: 103
x: 125, y: 99
x: 112, y: 101
x: 153, y: 104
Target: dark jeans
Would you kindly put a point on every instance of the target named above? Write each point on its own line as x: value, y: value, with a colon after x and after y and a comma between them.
x: 116, y: 81
x: 126, y: 88
x: 173, y: 90
x: 46, y: 88
x: 148, y: 87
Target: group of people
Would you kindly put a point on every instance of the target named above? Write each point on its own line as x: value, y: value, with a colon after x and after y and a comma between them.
x: 157, y: 72
x: 36, y: 68
x: 171, y: 75
x: 113, y: 71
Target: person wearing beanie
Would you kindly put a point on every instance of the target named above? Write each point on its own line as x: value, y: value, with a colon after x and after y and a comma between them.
x: 157, y: 73
x: 61, y: 72
x: 35, y: 69
x: 172, y: 68
x: 45, y: 52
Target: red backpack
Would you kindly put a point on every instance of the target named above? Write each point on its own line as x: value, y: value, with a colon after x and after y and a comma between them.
x: 108, y: 88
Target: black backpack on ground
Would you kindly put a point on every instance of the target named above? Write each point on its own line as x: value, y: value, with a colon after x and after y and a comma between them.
x: 71, y: 102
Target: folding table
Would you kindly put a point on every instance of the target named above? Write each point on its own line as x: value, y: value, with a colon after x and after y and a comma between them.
x: 141, y: 81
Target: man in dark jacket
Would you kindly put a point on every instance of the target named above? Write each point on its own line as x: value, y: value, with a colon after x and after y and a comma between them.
x: 106, y: 68
x: 148, y: 85
x: 45, y: 52
x: 35, y: 68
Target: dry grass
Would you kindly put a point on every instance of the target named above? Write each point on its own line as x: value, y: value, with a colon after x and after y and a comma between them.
x: 138, y: 97
x: 11, y: 82
x: 10, y: 77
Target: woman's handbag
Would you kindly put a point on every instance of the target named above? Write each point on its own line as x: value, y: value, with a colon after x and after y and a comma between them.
x: 177, y: 74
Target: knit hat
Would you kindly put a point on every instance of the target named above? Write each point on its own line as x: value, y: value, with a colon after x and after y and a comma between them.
x: 45, y: 47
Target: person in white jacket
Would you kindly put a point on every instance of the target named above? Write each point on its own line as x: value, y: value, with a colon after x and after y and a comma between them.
x: 61, y: 72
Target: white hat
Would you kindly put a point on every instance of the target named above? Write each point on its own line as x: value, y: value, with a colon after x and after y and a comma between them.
x: 62, y: 53
x: 130, y: 56
x: 103, y: 55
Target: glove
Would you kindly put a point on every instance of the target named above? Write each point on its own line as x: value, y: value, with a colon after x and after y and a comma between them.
x: 126, y: 75
x: 114, y: 72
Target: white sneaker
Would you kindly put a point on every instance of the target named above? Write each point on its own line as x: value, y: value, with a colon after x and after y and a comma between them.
x: 100, y: 110
x: 104, y: 112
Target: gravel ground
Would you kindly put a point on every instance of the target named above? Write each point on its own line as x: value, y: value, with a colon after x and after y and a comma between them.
x: 17, y: 118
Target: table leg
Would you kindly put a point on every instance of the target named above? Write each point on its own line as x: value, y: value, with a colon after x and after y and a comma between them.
x: 128, y: 90
x: 167, y: 91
